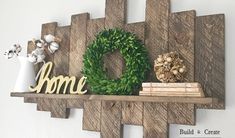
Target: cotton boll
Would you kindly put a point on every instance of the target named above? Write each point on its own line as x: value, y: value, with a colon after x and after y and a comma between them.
x: 53, y: 47
x: 32, y: 58
x: 49, y: 38
x: 40, y: 58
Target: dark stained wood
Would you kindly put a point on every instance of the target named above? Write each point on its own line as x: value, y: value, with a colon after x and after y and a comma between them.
x: 181, y: 39
x: 48, y: 28
x: 94, y: 26
x: 155, y: 120
x: 132, y: 113
x: 181, y: 114
x: 210, y: 57
x: 137, y: 28
x: 120, y: 98
x: 91, y: 115
x: 156, y: 35
x: 78, y: 43
x: 61, y: 57
x: 115, y: 13
x: 111, y: 119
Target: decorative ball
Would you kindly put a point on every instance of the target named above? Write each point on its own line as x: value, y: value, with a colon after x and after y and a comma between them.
x: 169, y: 68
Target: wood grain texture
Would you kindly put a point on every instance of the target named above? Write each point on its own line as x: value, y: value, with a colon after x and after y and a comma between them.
x: 155, y: 99
x: 61, y: 57
x: 181, y: 114
x: 30, y: 99
x: 75, y: 103
x: 132, y: 113
x: 44, y: 104
x: 114, y: 64
x: 156, y: 36
x: 92, y: 115
x: 111, y: 119
x: 138, y: 29
x: 181, y: 39
x: 210, y: 57
x: 58, y: 108
x: 155, y: 120
x: 115, y: 13
x: 115, y: 16
x: 94, y: 26
x: 78, y: 43
x: 48, y: 28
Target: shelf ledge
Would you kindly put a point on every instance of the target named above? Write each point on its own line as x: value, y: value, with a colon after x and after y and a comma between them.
x: 119, y: 98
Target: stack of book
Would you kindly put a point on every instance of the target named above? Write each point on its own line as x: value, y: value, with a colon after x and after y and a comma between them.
x: 172, y: 89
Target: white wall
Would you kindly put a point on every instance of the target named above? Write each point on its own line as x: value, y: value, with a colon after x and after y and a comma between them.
x: 20, y: 20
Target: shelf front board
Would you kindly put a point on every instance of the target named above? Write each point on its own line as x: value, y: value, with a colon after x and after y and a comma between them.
x: 118, y: 98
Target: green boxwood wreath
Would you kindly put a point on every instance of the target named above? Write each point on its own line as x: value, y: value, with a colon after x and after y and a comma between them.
x: 134, y: 54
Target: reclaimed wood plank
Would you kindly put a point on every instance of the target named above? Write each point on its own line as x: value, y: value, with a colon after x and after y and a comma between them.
x: 207, y: 100
x: 111, y: 115
x: 44, y: 104
x: 181, y: 114
x: 138, y: 29
x: 78, y: 43
x: 48, y: 28
x: 92, y: 115
x: 181, y: 39
x: 132, y: 113
x: 115, y: 13
x: 75, y: 103
x: 61, y: 57
x: 94, y: 26
x: 30, y: 99
x: 115, y: 16
x: 155, y: 120
x: 210, y: 57
x: 58, y: 108
x: 156, y: 36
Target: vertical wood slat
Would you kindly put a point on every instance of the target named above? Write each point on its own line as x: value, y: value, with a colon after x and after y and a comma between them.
x: 58, y: 108
x: 137, y: 28
x: 48, y: 28
x: 210, y: 57
x: 78, y: 43
x: 61, y: 57
x: 132, y: 113
x: 155, y: 120
x: 111, y: 119
x: 115, y: 13
x: 94, y: 26
x: 181, y: 114
x: 156, y: 41
x: 92, y: 115
x: 115, y: 16
x: 181, y: 39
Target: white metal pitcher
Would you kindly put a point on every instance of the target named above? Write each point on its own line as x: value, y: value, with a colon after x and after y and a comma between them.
x: 26, y: 76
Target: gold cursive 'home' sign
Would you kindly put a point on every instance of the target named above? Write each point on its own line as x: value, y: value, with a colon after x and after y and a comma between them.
x: 58, y: 84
